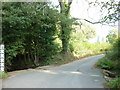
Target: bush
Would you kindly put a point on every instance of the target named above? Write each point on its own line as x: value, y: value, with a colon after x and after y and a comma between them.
x: 112, y: 62
x: 114, y: 83
x: 112, y: 59
x: 85, y: 48
x: 28, y: 34
x: 106, y: 63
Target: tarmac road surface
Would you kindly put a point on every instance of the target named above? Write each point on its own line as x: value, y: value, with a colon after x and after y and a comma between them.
x: 77, y: 74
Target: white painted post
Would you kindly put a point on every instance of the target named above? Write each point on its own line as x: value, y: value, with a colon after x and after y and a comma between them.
x: 2, y: 57
x: 119, y: 20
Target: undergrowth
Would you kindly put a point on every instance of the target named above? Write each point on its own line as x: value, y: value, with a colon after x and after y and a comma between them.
x: 3, y: 75
x: 111, y: 62
x: 114, y: 83
x: 79, y: 51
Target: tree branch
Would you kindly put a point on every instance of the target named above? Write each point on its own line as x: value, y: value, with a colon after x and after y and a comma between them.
x: 93, y: 22
x: 69, y: 4
x: 89, y: 21
x: 61, y: 5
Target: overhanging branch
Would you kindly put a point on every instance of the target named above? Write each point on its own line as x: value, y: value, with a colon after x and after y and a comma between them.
x: 99, y: 22
x: 89, y: 21
x: 93, y: 22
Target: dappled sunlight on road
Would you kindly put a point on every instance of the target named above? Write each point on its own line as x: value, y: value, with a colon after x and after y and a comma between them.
x: 76, y: 72
x: 96, y: 80
x: 60, y: 72
x: 67, y: 72
x: 95, y: 75
x: 79, y: 74
x: 50, y: 72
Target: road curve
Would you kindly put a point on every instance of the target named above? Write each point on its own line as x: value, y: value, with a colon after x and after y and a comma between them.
x: 78, y: 74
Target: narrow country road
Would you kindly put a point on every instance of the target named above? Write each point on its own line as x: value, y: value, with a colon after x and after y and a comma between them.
x: 78, y: 74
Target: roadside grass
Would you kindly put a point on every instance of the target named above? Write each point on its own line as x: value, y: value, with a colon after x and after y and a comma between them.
x: 3, y: 75
x: 84, y: 49
x: 111, y: 62
x: 106, y: 63
x: 114, y: 83
x: 113, y: 66
x: 80, y: 51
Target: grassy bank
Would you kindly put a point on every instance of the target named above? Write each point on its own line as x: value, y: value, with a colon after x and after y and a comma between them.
x: 3, y: 75
x: 111, y: 62
x: 80, y: 50
x: 112, y: 66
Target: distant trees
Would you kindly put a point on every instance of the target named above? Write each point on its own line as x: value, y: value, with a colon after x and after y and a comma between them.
x: 83, y: 33
x: 112, y: 36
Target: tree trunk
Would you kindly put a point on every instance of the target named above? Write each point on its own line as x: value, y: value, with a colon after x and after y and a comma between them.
x: 65, y: 11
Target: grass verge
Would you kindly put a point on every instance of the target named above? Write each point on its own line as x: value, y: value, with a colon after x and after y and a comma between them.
x: 3, y: 75
x: 113, y: 66
x: 68, y: 57
x: 114, y: 83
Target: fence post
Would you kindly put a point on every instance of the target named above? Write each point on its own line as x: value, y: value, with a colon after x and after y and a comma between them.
x: 2, y: 57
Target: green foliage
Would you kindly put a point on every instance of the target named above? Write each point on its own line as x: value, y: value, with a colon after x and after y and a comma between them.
x: 112, y: 36
x: 3, y: 75
x: 109, y: 10
x: 66, y: 24
x: 112, y: 59
x: 85, y: 31
x: 35, y: 33
x: 114, y: 83
x: 88, y: 31
x: 65, y: 30
x: 79, y: 45
x: 85, y: 48
x: 106, y: 63
x: 61, y: 58
x: 78, y: 50
x: 115, y: 52
x: 112, y: 62
x: 29, y: 32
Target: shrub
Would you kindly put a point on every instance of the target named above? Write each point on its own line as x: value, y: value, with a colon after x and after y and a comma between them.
x: 112, y: 62
x: 114, y: 83
x: 106, y: 63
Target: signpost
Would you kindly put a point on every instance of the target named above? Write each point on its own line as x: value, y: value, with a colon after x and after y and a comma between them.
x: 2, y: 57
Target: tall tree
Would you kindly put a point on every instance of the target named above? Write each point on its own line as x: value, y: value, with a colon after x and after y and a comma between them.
x: 64, y: 10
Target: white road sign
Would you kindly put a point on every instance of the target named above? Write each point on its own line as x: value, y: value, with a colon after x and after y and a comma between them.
x: 2, y: 57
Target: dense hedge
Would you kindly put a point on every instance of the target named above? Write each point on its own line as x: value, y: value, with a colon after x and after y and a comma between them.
x: 29, y: 31
x: 111, y: 62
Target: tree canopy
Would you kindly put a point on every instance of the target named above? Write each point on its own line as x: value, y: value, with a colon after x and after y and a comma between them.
x: 33, y: 32
x: 110, y: 11
x: 29, y: 31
